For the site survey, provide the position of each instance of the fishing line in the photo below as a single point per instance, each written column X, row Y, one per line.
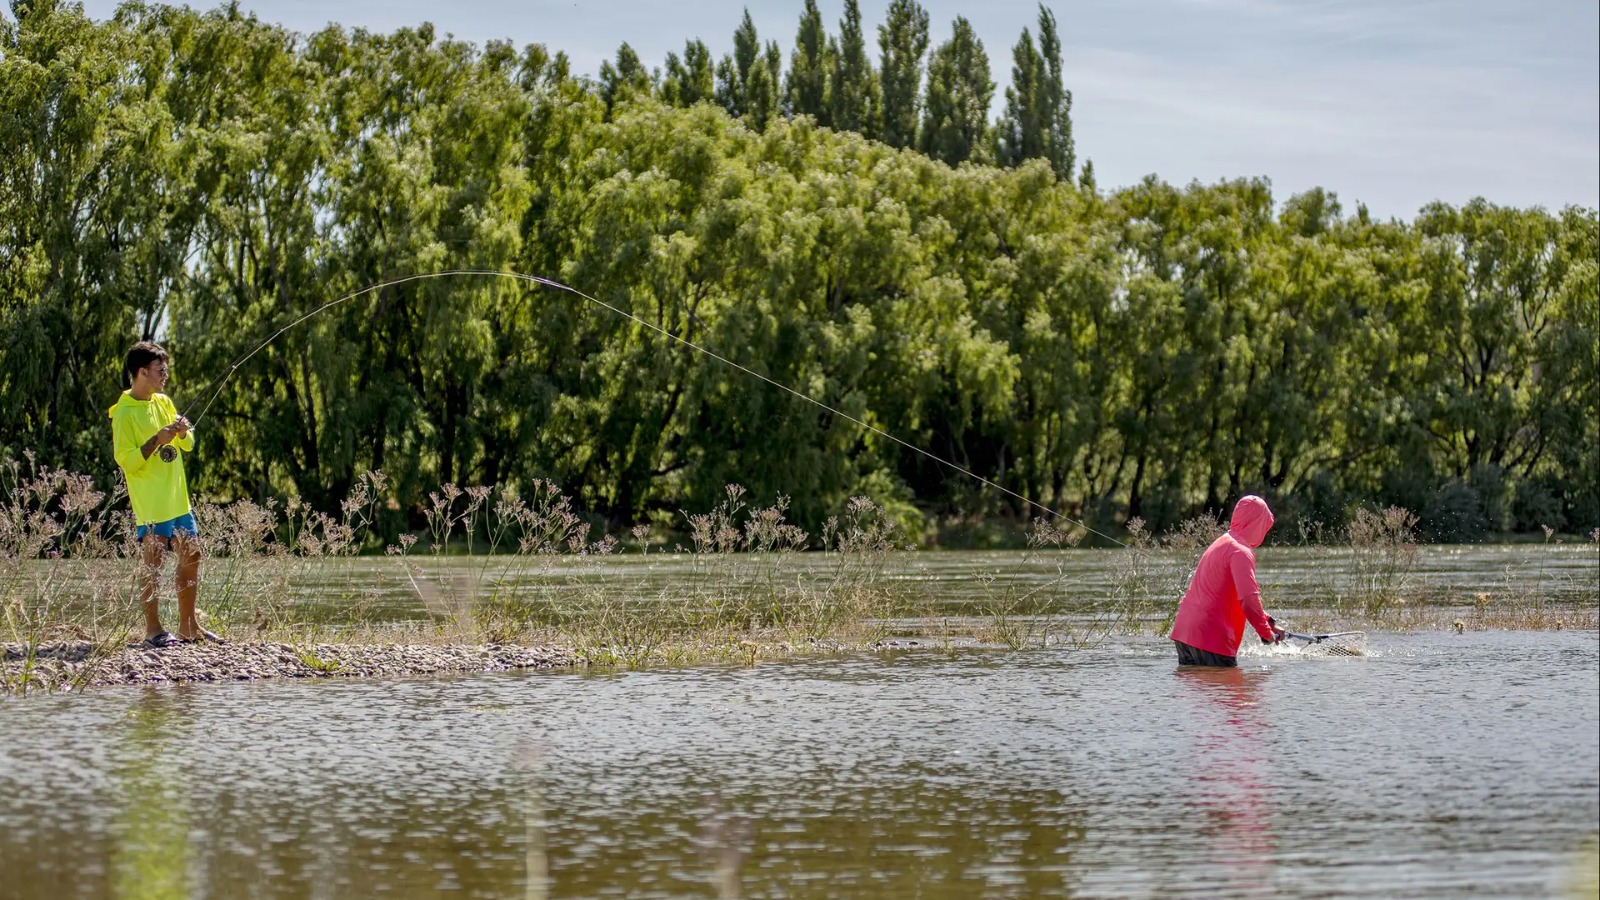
column 550, row 282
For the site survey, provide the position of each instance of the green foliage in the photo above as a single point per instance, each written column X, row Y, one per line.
column 1038, row 122
column 625, row 80
column 902, row 40
column 1019, row 133
column 96, row 211
column 1054, row 100
column 806, row 85
column 766, row 101
column 956, row 109
column 855, row 97
column 734, row 72
column 206, row 178
column 689, row 80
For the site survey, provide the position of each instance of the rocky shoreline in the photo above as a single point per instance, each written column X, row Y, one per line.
column 75, row 664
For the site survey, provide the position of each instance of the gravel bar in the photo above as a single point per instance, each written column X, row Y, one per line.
column 73, row 664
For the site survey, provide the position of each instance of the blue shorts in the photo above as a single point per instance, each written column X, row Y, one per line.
column 183, row 524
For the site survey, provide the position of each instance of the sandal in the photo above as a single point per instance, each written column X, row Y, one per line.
column 159, row 640
column 205, row 637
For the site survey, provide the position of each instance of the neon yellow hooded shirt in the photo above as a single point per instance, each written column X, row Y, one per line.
column 158, row 490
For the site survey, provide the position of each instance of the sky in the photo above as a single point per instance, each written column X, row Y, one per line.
column 1390, row 103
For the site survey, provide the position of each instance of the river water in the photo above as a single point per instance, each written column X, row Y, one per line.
column 1438, row 765
column 947, row 582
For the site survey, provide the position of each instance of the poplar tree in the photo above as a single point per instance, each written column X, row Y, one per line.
column 1021, row 135
column 1037, row 121
column 625, row 80
column 538, row 68
column 956, row 111
column 902, row 40
column 855, row 95
column 806, row 87
column 762, row 99
column 691, row 79
column 733, row 72
column 774, row 59
column 1054, row 100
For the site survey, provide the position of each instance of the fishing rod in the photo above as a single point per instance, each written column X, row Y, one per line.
column 552, row 283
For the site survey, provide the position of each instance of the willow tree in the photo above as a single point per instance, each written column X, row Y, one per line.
column 97, row 210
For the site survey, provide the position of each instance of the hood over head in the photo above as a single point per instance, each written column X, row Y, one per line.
column 1251, row 520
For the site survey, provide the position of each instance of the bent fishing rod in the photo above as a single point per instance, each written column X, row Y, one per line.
column 552, row 283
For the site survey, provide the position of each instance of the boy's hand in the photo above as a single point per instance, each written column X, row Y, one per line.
column 1277, row 632
column 167, row 433
column 182, row 425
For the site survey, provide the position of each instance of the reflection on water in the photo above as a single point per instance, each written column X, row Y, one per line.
column 1231, row 770
column 1440, row 766
column 149, row 836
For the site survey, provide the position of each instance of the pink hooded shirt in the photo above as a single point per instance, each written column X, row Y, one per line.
column 1223, row 594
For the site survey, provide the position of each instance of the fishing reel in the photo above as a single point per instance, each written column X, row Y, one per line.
column 168, row 453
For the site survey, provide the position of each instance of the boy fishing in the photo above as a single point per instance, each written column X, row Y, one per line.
column 150, row 439
column 1223, row 594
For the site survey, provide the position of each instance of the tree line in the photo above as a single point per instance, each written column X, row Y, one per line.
column 203, row 178
column 935, row 103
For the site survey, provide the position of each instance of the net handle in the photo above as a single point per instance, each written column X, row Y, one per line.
column 1319, row 638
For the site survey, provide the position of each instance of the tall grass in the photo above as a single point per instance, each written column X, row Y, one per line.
column 528, row 574
column 1153, row 573
column 519, row 564
column 1384, row 548
column 1149, row 576
column 58, row 595
column 1519, row 597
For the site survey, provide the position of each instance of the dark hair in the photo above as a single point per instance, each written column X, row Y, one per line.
column 140, row 355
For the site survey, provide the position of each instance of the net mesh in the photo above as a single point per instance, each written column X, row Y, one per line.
column 1348, row 643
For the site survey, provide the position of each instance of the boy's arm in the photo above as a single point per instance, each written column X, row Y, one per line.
column 1242, row 568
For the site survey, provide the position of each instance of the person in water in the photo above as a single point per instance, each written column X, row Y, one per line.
column 149, row 439
column 1223, row 594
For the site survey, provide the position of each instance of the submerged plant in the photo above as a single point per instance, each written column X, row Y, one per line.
column 1384, row 550
column 1152, row 573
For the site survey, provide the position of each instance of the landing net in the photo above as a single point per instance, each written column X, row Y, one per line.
column 1340, row 643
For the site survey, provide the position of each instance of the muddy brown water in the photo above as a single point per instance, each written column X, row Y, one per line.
column 1440, row 765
